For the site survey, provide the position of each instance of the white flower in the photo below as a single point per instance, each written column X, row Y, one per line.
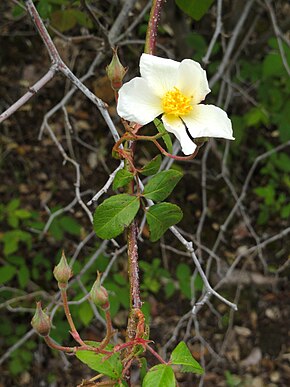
column 176, row 90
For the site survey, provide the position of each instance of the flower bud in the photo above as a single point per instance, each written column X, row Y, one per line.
column 116, row 71
column 99, row 294
column 62, row 272
column 41, row 321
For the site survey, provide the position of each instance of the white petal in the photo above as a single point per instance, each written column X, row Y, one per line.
column 174, row 125
column 192, row 80
column 160, row 73
column 208, row 121
column 137, row 102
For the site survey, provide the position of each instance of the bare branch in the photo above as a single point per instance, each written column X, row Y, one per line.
column 232, row 43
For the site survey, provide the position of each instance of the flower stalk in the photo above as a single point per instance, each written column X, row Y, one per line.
column 66, row 309
column 136, row 325
column 152, row 28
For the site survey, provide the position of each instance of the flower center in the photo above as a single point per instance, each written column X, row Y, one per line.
column 176, row 103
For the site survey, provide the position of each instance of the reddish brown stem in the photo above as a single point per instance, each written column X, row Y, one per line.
column 110, row 330
column 53, row 345
column 179, row 158
column 135, row 300
column 74, row 331
column 151, row 34
column 155, row 354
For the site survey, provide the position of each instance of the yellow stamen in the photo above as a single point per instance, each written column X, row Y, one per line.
column 176, row 103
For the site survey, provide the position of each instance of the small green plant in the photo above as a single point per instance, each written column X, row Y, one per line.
column 156, row 278
column 64, row 15
column 274, row 200
column 232, row 380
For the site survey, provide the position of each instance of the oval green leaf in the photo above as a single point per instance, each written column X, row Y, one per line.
column 181, row 356
column 111, row 367
column 159, row 376
column 161, row 185
column 122, row 178
column 160, row 217
column 152, row 167
column 114, row 214
column 7, row 273
column 196, row 9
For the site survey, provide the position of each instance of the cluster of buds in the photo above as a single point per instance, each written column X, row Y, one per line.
column 99, row 295
column 116, row 71
column 62, row 272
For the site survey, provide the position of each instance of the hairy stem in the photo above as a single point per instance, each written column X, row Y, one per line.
column 136, row 324
column 133, row 266
column 151, row 34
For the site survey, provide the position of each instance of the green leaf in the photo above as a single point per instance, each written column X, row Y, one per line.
column 85, row 313
column 56, row 230
column 285, row 212
column 122, row 178
column 159, row 376
column 283, row 162
column 169, row 289
column 239, row 126
column 82, row 18
column 70, row 225
column 12, row 238
column 114, row 214
column 199, row 45
column 12, row 220
column 160, row 217
column 13, row 205
column 152, row 167
column 23, row 276
column 196, row 9
column 181, row 356
column 44, row 8
column 166, row 138
column 17, row 11
column 6, row 273
column 22, row 214
column 255, row 117
column 143, row 368
column 272, row 65
column 183, row 274
column 63, row 20
column 283, row 122
column 120, row 279
column 161, row 185
column 111, row 367
column 60, row 2
column 268, row 193
column 198, row 283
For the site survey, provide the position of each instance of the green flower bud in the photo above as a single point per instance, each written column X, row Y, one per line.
column 41, row 321
column 116, row 71
column 99, row 294
column 62, row 272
